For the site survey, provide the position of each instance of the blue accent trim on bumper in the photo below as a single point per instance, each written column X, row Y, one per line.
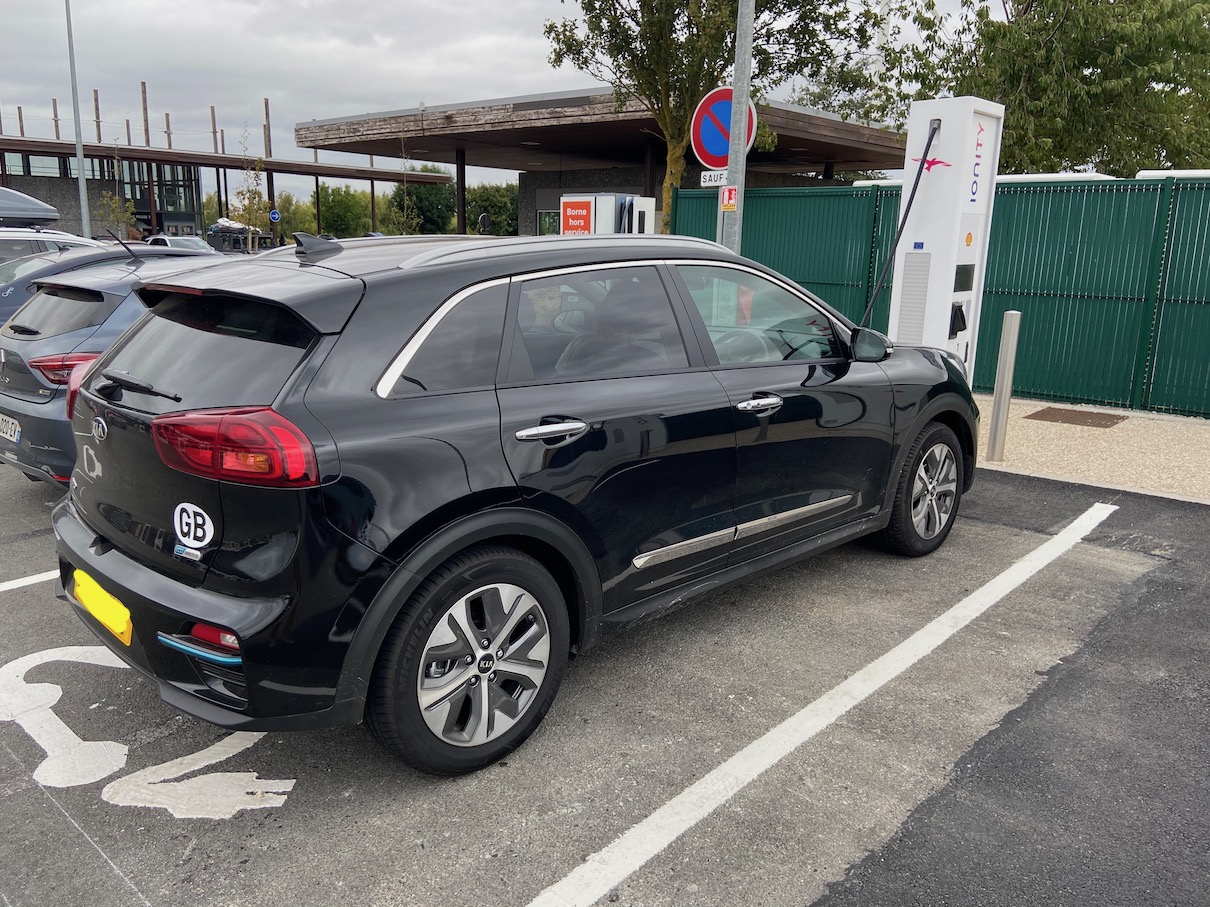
column 198, row 652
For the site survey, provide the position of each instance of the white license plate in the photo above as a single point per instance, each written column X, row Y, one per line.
column 10, row 429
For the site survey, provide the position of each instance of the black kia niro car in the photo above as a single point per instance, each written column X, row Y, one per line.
column 404, row 480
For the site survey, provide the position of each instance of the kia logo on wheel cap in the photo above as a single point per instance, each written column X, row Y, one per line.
column 99, row 429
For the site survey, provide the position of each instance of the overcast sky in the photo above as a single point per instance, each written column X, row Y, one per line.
column 313, row 59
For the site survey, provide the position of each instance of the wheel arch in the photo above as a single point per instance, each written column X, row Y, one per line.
column 958, row 415
column 532, row 532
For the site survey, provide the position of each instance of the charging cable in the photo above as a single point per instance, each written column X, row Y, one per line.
column 934, row 128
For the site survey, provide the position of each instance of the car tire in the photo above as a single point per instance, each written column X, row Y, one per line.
column 472, row 662
column 928, row 493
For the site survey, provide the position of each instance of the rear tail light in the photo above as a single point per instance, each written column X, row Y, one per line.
column 215, row 636
column 74, row 380
column 254, row 446
column 58, row 369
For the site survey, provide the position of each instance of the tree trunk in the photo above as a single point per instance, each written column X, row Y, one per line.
column 673, row 172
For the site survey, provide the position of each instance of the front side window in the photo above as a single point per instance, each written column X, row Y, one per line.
column 462, row 350
column 751, row 319
column 596, row 324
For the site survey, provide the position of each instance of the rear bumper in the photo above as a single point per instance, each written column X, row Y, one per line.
column 47, row 449
column 253, row 694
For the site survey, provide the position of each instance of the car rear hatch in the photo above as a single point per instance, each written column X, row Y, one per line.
column 179, row 455
column 40, row 343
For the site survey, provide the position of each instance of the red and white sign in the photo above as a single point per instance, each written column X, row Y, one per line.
column 575, row 216
column 710, row 132
column 728, row 198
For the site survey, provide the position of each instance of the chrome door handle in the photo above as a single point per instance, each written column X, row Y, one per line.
column 770, row 403
column 567, row 430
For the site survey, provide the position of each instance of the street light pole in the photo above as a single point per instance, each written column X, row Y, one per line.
column 737, row 149
column 85, row 221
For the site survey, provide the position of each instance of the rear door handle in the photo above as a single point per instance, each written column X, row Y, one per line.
column 568, row 431
column 762, row 406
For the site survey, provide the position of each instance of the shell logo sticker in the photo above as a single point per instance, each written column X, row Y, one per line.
column 193, row 525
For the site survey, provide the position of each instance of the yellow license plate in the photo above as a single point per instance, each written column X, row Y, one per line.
column 113, row 615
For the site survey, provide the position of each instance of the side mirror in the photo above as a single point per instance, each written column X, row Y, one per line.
column 870, row 346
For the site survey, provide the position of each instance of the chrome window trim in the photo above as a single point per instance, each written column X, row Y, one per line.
column 742, row 531
column 404, row 357
column 764, row 524
column 596, row 266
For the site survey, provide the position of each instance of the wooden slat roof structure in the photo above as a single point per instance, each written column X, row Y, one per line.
column 587, row 129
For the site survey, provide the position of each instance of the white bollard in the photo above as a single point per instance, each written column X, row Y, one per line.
column 1004, row 385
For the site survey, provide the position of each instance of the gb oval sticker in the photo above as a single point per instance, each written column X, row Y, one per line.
column 193, row 525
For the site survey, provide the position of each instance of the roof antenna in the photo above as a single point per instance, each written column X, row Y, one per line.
column 313, row 248
column 134, row 256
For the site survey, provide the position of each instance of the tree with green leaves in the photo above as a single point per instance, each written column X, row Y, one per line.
column 1119, row 87
column 498, row 201
column 431, row 205
column 669, row 53
column 343, row 210
column 248, row 204
column 115, row 213
column 210, row 208
column 297, row 215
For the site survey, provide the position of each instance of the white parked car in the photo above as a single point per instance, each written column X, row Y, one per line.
column 17, row 242
column 197, row 243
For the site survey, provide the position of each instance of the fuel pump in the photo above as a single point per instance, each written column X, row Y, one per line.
column 609, row 212
column 953, row 148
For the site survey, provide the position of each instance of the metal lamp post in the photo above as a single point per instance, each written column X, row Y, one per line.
column 85, row 221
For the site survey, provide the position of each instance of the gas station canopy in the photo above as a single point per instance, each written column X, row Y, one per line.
column 583, row 130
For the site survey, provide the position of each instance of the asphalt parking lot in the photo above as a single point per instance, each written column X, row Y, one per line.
column 858, row 729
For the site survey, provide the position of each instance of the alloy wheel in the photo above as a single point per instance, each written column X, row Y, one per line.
column 483, row 664
column 934, row 491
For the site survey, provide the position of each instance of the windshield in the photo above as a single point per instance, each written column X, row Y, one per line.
column 19, row 267
column 189, row 242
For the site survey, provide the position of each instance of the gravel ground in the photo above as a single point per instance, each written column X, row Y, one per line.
column 1147, row 452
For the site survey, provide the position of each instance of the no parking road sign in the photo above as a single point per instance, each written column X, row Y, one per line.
column 710, row 133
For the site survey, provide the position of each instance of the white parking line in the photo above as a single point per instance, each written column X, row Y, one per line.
column 594, row 878
column 28, row 580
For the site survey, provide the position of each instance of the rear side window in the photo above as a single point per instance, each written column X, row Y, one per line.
column 462, row 350
column 597, row 323
column 17, row 248
column 210, row 351
column 19, row 267
column 59, row 310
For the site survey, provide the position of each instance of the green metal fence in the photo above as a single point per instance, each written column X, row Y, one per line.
column 1111, row 278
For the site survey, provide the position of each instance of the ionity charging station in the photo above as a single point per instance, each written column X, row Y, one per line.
column 941, row 259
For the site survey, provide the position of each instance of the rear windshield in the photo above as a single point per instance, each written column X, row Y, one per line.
column 210, row 351
column 59, row 310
